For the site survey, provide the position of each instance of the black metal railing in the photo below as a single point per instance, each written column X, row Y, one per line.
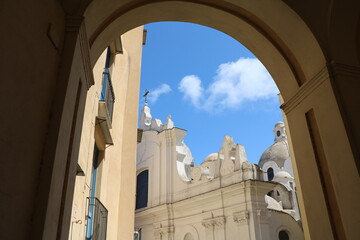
column 96, row 220
column 107, row 93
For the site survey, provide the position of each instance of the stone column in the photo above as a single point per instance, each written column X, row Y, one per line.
column 219, row 228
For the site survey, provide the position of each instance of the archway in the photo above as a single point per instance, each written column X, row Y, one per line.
column 274, row 33
column 291, row 55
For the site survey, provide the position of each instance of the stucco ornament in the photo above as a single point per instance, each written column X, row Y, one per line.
column 196, row 173
column 227, row 164
column 241, row 217
column 211, row 165
column 148, row 123
column 184, row 159
column 272, row 203
column 145, row 119
column 214, row 222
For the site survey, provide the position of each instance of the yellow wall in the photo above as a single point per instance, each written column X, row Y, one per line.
column 116, row 173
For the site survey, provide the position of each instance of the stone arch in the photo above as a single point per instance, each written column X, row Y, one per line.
column 286, row 47
column 141, row 170
column 322, row 114
column 292, row 56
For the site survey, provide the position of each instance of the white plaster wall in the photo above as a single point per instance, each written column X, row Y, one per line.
column 236, row 212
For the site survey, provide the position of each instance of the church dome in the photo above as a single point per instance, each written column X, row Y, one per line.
column 278, row 153
column 211, row 157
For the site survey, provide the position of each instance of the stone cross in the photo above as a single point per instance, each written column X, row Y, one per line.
column 146, row 94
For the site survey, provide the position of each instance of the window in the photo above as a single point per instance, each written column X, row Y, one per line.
column 270, row 174
column 283, row 235
column 97, row 213
column 278, row 133
column 107, row 92
column 142, row 189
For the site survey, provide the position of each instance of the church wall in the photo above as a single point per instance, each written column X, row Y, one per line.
column 226, row 213
column 282, row 221
column 150, row 159
column 220, row 207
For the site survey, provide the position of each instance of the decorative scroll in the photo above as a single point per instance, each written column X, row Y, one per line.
column 241, row 217
column 214, row 222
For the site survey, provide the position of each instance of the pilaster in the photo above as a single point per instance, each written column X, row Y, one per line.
column 242, row 223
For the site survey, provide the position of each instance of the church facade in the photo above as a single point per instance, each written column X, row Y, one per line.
column 225, row 197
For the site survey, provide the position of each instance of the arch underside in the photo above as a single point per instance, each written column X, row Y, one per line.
column 292, row 56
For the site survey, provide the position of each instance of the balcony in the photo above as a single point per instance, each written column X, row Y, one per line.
column 106, row 107
column 96, row 220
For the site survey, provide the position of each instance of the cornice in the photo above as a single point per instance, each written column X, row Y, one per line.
column 331, row 70
column 340, row 69
column 305, row 90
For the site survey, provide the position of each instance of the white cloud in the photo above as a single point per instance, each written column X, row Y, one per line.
column 191, row 87
column 234, row 83
column 157, row 92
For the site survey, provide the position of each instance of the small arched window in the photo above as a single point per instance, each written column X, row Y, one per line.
column 278, row 133
column 283, row 235
column 270, row 174
column 142, row 189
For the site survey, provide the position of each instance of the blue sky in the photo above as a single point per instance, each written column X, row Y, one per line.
column 211, row 85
